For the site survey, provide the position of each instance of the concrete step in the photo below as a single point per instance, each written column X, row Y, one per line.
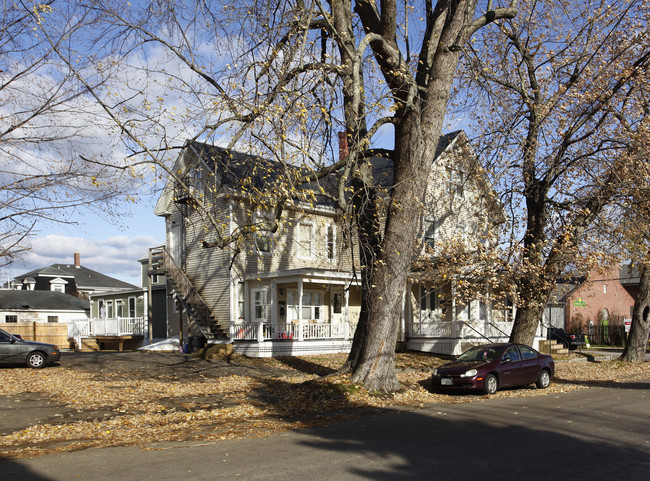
column 554, row 346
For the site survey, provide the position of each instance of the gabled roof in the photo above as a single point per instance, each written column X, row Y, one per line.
column 84, row 278
column 247, row 173
column 41, row 300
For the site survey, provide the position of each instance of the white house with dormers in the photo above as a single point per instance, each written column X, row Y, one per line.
column 294, row 291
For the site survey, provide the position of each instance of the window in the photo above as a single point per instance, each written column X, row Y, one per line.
column 305, row 240
column 604, row 288
column 119, row 308
column 52, row 318
column 331, row 242
column 428, row 303
column 337, row 303
column 527, row 352
column 512, row 354
column 11, row 318
column 259, row 303
column 102, row 309
column 262, row 234
column 57, row 287
column 109, row 309
column 456, row 182
column 429, row 233
column 241, row 301
column 131, row 306
column 311, row 305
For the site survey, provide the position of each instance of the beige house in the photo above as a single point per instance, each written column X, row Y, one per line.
column 293, row 290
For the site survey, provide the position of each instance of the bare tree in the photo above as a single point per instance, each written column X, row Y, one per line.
column 555, row 84
column 46, row 124
column 282, row 79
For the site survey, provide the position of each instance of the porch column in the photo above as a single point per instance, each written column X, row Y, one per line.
column 346, row 313
column 300, row 329
column 300, row 282
column 274, row 307
column 455, row 332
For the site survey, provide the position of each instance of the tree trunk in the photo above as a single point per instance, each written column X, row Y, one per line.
column 637, row 341
column 372, row 359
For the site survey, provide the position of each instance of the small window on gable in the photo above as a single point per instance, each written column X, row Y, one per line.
column 429, row 233
column 456, row 182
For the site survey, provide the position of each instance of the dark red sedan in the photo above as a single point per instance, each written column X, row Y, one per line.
column 494, row 366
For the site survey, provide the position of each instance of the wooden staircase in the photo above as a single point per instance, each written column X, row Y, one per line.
column 555, row 346
column 197, row 311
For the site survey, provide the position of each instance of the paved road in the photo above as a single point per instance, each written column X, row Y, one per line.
column 591, row 434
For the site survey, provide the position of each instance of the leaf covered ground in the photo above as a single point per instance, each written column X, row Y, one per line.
column 129, row 400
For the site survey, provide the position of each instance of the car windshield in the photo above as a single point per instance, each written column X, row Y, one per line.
column 479, row 354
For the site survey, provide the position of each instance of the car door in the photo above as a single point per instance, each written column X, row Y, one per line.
column 10, row 349
column 510, row 368
column 530, row 365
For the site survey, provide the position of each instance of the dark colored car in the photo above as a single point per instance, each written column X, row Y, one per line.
column 35, row 354
column 495, row 366
column 570, row 341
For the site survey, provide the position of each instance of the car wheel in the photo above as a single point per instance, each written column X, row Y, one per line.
column 544, row 379
column 36, row 360
column 490, row 384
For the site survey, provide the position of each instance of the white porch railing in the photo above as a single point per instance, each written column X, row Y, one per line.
column 117, row 326
column 260, row 331
column 461, row 330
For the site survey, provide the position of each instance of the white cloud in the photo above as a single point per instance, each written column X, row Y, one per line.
column 115, row 256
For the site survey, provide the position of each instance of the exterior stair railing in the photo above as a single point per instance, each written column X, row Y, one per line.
column 196, row 308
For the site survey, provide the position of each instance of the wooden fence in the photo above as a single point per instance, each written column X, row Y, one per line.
column 50, row 332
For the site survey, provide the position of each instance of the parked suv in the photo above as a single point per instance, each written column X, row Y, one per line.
column 570, row 341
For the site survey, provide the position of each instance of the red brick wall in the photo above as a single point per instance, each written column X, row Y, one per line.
column 602, row 291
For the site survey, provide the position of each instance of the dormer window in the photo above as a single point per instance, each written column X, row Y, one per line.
column 57, row 285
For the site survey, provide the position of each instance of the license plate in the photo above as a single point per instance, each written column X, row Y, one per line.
column 446, row 382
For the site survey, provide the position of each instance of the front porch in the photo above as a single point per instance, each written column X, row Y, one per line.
column 455, row 337
column 107, row 333
column 299, row 337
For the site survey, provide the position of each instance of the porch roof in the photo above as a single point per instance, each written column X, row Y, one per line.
column 320, row 275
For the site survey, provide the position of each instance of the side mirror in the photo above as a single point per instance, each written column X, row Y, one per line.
column 13, row 340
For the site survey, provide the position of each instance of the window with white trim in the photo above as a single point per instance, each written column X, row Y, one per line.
column 119, row 308
column 259, row 303
column 11, row 318
column 428, row 303
column 131, row 306
column 262, row 234
column 52, row 318
column 331, row 241
column 241, row 301
column 306, row 240
column 311, row 305
column 456, row 182
column 109, row 309
column 430, row 227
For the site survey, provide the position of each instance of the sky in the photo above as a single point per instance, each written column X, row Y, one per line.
column 104, row 247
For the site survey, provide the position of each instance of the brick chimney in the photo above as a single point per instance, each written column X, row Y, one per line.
column 344, row 151
column 77, row 260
